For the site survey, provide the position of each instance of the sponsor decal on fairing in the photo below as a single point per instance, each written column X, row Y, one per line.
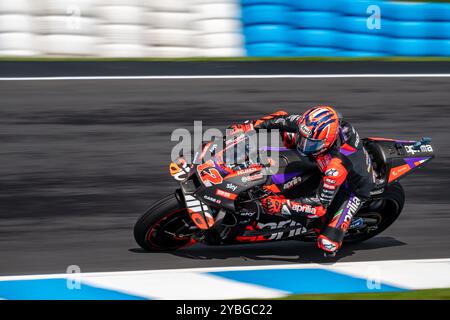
column 279, row 235
column 292, row 183
column 231, row 186
column 423, row 148
column 253, row 177
column 226, row 194
column 209, row 198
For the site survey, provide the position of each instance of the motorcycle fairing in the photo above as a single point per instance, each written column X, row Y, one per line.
column 398, row 158
column 272, row 229
column 179, row 169
column 411, row 163
column 210, row 186
column 199, row 212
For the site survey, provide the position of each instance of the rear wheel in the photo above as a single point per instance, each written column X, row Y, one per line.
column 165, row 226
column 378, row 215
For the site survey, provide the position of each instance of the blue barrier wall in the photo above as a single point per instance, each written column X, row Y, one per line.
column 347, row 28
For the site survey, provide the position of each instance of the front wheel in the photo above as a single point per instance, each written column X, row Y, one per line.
column 378, row 215
column 164, row 226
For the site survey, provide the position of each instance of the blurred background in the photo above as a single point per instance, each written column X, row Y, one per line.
column 81, row 160
column 223, row 28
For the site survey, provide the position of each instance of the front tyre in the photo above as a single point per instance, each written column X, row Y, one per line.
column 158, row 229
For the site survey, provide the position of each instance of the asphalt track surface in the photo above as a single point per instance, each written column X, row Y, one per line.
column 81, row 160
column 173, row 68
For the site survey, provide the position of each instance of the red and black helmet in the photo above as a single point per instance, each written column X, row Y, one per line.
column 318, row 130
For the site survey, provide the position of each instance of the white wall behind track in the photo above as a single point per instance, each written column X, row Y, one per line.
column 121, row 28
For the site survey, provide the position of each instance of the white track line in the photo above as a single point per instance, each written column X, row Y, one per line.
column 268, row 76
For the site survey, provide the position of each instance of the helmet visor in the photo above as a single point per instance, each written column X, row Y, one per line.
column 308, row 145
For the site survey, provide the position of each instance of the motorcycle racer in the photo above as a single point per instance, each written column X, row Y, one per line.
column 334, row 145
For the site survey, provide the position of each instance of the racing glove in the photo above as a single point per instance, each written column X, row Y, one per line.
column 267, row 122
column 242, row 127
column 278, row 205
column 273, row 204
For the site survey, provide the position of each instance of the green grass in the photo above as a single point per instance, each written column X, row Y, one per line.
column 431, row 294
column 206, row 59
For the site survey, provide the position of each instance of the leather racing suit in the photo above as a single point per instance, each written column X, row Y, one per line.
column 346, row 183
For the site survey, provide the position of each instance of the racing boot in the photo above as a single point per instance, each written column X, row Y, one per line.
column 331, row 237
column 330, row 240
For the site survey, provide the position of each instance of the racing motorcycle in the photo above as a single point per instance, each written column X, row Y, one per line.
column 219, row 204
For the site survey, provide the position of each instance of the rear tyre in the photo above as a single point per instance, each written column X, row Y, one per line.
column 381, row 213
column 155, row 230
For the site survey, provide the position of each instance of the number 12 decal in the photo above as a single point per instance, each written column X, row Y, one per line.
column 208, row 174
